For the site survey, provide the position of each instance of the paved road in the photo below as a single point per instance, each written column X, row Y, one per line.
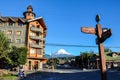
column 71, row 74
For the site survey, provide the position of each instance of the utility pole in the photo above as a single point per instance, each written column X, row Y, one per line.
column 102, row 34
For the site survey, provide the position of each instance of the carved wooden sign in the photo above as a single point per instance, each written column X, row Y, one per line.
column 88, row 30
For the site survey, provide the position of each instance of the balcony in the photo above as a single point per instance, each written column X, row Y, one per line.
column 33, row 45
column 36, row 29
column 37, row 38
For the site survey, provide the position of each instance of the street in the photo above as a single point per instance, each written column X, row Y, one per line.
column 71, row 74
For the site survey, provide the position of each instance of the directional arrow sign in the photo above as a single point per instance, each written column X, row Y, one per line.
column 88, row 30
column 106, row 35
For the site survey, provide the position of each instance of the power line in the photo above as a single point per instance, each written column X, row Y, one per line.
column 73, row 45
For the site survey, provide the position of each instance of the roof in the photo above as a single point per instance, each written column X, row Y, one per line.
column 14, row 19
column 108, row 57
column 29, row 12
column 40, row 19
column 30, row 7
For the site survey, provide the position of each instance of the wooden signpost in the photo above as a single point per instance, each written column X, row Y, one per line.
column 88, row 30
column 102, row 35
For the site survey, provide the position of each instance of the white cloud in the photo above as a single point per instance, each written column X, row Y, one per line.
column 63, row 51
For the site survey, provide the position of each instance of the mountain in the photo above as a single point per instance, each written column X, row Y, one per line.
column 47, row 56
column 61, row 53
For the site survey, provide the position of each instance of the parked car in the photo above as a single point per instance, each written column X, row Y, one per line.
column 66, row 66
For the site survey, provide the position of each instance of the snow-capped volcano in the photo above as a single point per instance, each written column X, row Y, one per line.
column 62, row 51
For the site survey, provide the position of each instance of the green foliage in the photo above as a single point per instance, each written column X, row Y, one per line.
column 84, row 58
column 87, row 55
column 107, row 50
column 18, row 56
column 11, row 56
column 55, row 63
column 4, row 45
column 4, row 50
column 78, row 60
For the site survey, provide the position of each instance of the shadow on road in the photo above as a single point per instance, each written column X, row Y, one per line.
column 71, row 75
column 64, row 75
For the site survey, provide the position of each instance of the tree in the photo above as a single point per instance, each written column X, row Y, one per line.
column 78, row 61
column 18, row 56
column 86, row 56
column 4, row 50
column 107, row 50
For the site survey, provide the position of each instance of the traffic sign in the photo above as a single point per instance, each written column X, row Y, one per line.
column 88, row 30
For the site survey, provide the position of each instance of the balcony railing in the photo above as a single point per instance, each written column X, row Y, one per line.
column 37, row 38
column 36, row 29
column 33, row 45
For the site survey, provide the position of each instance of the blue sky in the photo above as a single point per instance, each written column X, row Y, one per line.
column 64, row 18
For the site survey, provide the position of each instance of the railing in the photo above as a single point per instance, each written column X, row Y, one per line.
column 36, row 29
column 35, row 45
column 37, row 38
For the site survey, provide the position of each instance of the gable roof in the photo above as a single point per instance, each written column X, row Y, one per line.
column 40, row 19
column 14, row 19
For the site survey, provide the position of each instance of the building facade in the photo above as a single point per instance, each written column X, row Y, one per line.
column 27, row 31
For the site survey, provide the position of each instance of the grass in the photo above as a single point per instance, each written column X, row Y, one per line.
column 9, row 78
column 6, row 75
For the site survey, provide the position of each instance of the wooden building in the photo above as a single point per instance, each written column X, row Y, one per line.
column 27, row 31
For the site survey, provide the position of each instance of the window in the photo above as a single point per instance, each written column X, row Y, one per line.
column 28, row 14
column 9, row 32
column 32, row 26
column 32, row 51
column 32, row 34
column 37, row 23
column 38, row 26
column 9, row 40
column 6, row 24
column 18, row 33
column 20, row 24
column 38, row 51
column 10, row 23
column 18, row 40
column 0, row 24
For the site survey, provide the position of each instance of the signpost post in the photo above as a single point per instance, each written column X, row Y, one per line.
column 101, row 52
column 102, row 35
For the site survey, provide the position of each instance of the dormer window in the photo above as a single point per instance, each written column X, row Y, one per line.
column 10, row 23
column 20, row 24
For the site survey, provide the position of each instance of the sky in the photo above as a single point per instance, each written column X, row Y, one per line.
column 64, row 19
